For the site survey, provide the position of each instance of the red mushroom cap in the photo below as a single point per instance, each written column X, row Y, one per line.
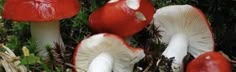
column 40, row 10
column 118, row 18
column 209, row 62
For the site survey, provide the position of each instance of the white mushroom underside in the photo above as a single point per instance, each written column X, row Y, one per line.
column 184, row 19
column 124, row 58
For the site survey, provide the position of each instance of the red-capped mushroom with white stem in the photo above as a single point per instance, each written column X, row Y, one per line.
column 122, row 17
column 44, row 16
column 105, row 53
column 210, row 62
column 185, row 29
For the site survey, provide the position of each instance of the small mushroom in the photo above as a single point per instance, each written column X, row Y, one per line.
column 105, row 53
column 44, row 16
column 122, row 17
column 185, row 29
column 209, row 62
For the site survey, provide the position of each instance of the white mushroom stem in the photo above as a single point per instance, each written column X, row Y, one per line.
column 177, row 48
column 102, row 63
column 46, row 34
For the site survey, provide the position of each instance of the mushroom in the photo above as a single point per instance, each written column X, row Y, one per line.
column 105, row 53
column 122, row 17
column 44, row 16
column 209, row 62
column 185, row 29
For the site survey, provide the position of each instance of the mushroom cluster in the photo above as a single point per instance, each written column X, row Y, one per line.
column 183, row 27
column 121, row 18
column 107, row 51
column 44, row 16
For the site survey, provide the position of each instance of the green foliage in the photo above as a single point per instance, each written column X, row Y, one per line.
column 17, row 36
column 13, row 42
column 31, row 45
column 1, row 5
column 3, row 33
column 31, row 59
column 45, row 67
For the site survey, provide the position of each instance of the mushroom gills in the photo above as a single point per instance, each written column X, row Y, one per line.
column 106, row 53
column 186, row 30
